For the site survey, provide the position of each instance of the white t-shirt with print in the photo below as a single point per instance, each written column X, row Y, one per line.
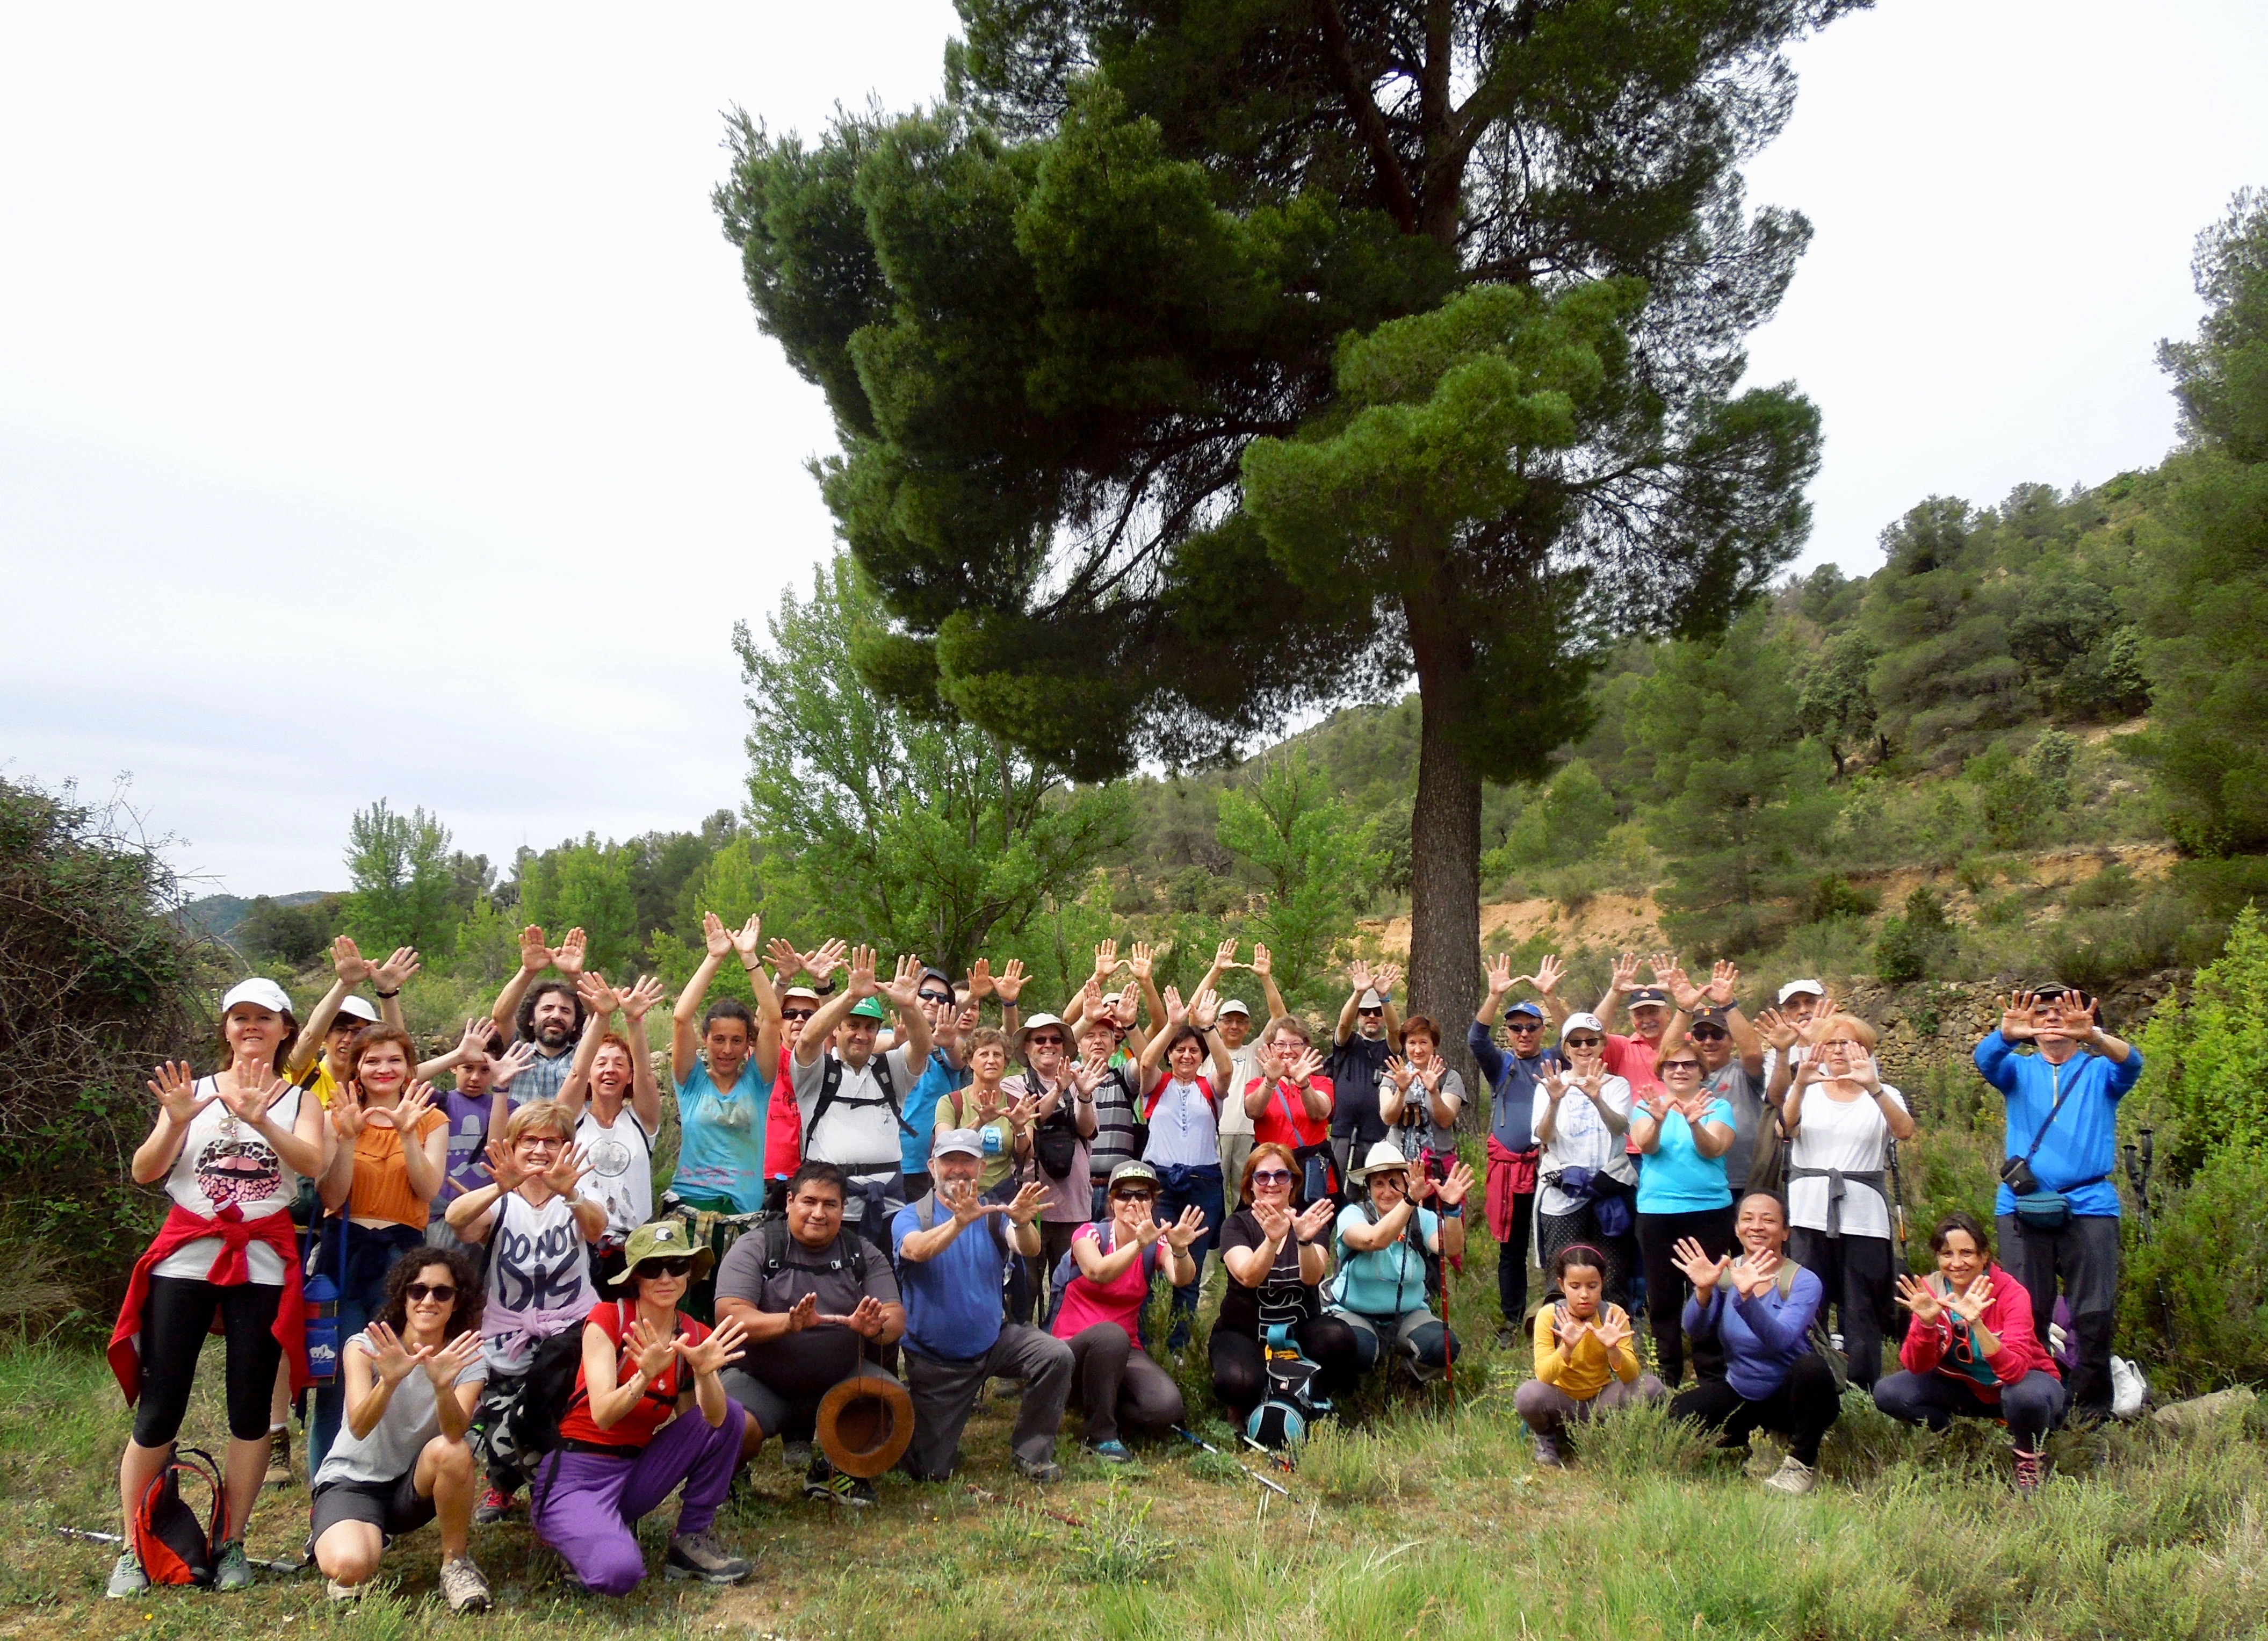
column 223, row 1160
column 621, row 1167
column 1582, row 1139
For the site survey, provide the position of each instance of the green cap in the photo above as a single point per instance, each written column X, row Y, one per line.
column 868, row 1008
column 663, row 1239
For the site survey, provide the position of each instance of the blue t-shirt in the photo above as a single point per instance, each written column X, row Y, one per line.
column 720, row 1158
column 939, row 1078
column 468, row 1144
column 1674, row 1177
column 952, row 1300
column 1387, row 1281
column 2082, row 1144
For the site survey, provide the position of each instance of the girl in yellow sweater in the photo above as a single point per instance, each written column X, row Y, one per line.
column 1585, row 1355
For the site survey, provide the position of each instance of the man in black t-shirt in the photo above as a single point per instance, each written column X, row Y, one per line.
column 1369, row 1033
column 813, row 1300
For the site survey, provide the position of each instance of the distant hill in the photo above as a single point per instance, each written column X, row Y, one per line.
column 219, row 915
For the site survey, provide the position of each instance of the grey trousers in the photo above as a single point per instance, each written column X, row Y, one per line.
column 945, row 1395
column 1115, row 1382
column 790, row 1417
column 1548, row 1409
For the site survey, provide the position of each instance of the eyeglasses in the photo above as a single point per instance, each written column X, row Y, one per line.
column 665, row 1267
column 1271, row 1175
column 797, row 1014
column 440, row 1294
column 1044, row 1042
column 1583, row 1042
column 540, row 1141
column 1708, row 1034
column 1693, row 1066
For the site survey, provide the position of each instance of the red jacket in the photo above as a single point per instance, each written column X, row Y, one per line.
column 231, row 1269
column 1935, row 1347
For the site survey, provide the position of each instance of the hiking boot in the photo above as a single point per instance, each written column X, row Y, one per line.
column 339, row 1592
column 1507, row 1337
column 699, row 1555
column 495, row 1506
column 1046, row 1471
column 1793, row 1477
column 233, row 1570
column 2031, row 1470
column 279, row 1458
column 461, row 1582
column 1112, row 1452
column 1548, row 1456
column 127, row 1577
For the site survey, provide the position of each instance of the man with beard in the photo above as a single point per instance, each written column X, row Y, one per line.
column 546, row 1015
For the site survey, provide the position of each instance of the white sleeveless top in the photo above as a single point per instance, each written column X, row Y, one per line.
column 621, row 1168
column 539, row 1268
column 223, row 1161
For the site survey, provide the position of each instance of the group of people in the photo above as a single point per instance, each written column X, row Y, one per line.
column 882, row 1198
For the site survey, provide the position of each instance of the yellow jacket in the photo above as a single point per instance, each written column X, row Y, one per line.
column 1583, row 1371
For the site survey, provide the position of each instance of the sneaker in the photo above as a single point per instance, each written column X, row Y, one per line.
column 796, row 1455
column 699, row 1555
column 1112, row 1452
column 838, row 1488
column 1507, row 1337
column 2031, row 1469
column 1793, row 1477
column 1046, row 1471
column 233, row 1570
column 127, row 1577
column 339, row 1592
column 461, row 1582
column 1178, row 1339
column 1548, row 1456
column 279, row 1458
column 495, row 1506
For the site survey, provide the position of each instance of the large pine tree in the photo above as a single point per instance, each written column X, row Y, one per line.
column 1052, row 315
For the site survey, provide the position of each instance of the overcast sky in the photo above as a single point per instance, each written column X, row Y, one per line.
column 382, row 413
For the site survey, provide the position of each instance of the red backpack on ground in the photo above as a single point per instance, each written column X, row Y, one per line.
column 173, row 1546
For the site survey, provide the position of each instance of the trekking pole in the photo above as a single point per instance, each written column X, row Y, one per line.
column 1898, row 1203
column 2138, row 1176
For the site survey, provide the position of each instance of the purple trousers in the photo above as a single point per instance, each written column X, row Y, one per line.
column 585, row 1504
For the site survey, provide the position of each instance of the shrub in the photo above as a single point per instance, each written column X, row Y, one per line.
column 2113, row 886
column 2205, row 1057
column 1921, row 943
column 1834, row 896
column 98, row 981
column 2097, row 950
column 2195, row 1301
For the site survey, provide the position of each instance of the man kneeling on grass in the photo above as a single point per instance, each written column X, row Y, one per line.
column 813, row 1298
column 953, row 1250
column 412, row 1379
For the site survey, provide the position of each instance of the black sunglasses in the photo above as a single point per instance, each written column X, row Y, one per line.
column 1523, row 1025
column 936, row 997
column 797, row 1014
column 1708, row 1034
column 1585, row 1042
column 440, row 1295
column 1370, row 1013
column 1134, row 1197
column 665, row 1267
column 1037, row 1041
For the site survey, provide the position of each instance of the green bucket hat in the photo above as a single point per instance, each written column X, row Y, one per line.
column 663, row 1239
column 869, row 1008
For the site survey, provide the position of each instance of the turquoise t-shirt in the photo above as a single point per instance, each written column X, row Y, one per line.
column 720, row 1160
column 938, row 1077
column 1674, row 1177
column 1387, row 1281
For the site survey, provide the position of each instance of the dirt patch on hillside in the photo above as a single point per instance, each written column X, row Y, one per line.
column 1631, row 922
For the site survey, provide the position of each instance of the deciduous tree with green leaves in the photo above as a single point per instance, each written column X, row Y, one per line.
column 1051, row 317
column 404, row 882
column 901, row 825
column 1319, row 862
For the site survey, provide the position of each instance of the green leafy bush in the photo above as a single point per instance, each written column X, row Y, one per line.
column 2206, row 1057
column 1919, row 944
column 1834, row 896
column 2194, row 1304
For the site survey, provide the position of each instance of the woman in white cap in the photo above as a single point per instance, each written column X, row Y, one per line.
column 1112, row 1264
column 231, row 1148
column 1586, row 1173
column 1385, row 1244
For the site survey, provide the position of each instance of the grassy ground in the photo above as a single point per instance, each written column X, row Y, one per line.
column 1407, row 1521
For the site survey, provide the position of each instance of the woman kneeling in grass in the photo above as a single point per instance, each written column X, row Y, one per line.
column 1586, row 1357
column 412, row 1378
column 1760, row 1308
column 1971, row 1350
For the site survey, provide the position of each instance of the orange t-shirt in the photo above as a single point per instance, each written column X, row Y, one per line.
column 382, row 1178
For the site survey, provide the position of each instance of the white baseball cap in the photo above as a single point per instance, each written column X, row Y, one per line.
column 1581, row 1023
column 957, row 1143
column 358, row 1009
column 1236, row 1005
column 1801, row 989
column 265, row 994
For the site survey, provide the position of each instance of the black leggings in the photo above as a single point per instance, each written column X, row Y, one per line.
column 1801, row 1409
column 1666, row 1286
column 1240, row 1371
column 1855, row 1275
column 1512, row 1262
column 175, row 1319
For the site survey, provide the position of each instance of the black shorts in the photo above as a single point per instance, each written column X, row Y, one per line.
column 394, row 1507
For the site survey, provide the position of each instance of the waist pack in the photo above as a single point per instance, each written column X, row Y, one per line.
column 174, row 1546
column 1609, row 1197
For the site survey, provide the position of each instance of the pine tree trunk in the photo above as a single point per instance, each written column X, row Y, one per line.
column 1445, row 858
